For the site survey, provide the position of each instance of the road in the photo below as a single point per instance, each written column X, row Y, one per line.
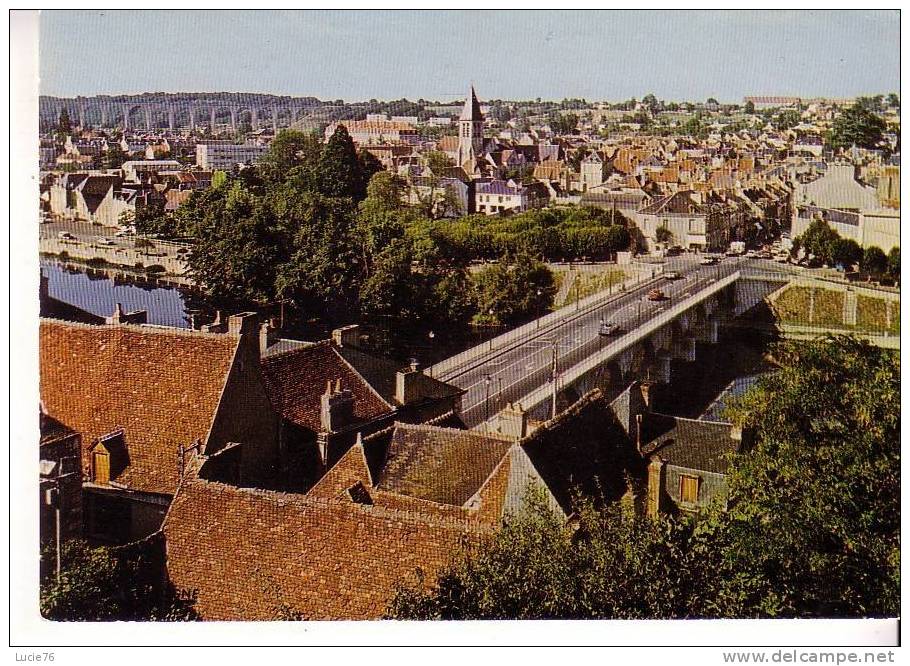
column 510, row 373
column 89, row 234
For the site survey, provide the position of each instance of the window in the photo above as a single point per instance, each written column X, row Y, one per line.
column 688, row 489
column 101, row 466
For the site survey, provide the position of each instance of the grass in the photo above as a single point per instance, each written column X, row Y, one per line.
column 792, row 307
column 587, row 283
column 829, row 308
column 871, row 313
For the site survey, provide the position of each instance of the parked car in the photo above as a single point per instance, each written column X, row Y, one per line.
column 672, row 275
column 104, row 241
column 708, row 261
column 65, row 235
column 122, row 234
column 656, row 295
column 607, row 328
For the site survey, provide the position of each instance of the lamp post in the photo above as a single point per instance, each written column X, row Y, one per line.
column 488, row 380
column 539, row 294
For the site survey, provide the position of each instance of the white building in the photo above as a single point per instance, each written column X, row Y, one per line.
column 225, row 156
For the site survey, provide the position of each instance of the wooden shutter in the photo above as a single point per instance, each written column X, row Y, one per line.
column 688, row 489
column 101, row 467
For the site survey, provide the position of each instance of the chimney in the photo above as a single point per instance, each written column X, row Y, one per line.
column 121, row 317
column 513, row 421
column 647, row 394
column 216, row 326
column 638, row 420
column 336, row 407
column 268, row 336
column 347, row 336
column 742, row 435
column 242, row 323
column 408, row 383
column 656, row 476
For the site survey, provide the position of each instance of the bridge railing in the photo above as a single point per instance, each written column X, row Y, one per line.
column 534, row 327
column 648, row 328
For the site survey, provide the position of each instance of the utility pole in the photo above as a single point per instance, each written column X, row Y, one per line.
column 488, row 380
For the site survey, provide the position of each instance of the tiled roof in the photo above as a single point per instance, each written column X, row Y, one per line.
column 52, row 430
column 380, row 373
column 499, row 187
column 296, row 379
column 440, row 464
column 701, row 445
column 680, row 203
column 162, row 386
column 249, row 553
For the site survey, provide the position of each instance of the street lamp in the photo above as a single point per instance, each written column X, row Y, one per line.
column 488, row 380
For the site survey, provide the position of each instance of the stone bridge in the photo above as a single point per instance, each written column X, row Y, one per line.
column 150, row 116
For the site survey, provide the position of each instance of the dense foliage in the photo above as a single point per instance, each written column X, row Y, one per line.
column 857, row 125
column 811, row 527
column 324, row 228
column 828, row 247
column 555, row 234
column 97, row 584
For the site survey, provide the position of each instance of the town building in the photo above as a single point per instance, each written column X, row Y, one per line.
column 142, row 399
column 224, row 156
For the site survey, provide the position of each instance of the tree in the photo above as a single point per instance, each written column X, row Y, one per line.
column 818, row 240
column 339, row 170
column 845, row 252
column 97, row 585
column 894, row 100
column 874, row 261
column 290, row 149
column 663, row 234
column 438, row 162
column 785, row 120
column 712, row 101
column 857, row 125
column 894, row 263
column 513, row 289
column 64, row 125
column 810, row 526
column 749, row 107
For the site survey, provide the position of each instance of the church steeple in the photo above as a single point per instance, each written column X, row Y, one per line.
column 470, row 130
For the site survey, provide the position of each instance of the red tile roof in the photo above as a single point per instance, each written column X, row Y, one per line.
column 162, row 386
column 249, row 553
column 296, row 379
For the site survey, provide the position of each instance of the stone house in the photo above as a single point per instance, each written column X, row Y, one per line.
column 328, row 392
column 497, row 197
column 398, row 506
column 688, row 461
column 60, row 483
column 142, row 398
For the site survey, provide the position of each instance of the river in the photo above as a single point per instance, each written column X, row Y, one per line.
column 166, row 306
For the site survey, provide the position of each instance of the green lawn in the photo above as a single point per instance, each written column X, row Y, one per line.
column 586, row 283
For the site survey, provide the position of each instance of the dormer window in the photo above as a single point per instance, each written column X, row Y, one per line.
column 108, row 457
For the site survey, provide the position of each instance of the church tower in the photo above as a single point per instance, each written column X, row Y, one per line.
column 470, row 130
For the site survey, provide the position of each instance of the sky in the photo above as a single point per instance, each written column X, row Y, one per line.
column 435, row 55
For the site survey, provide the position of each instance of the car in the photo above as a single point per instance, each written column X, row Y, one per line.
column 607, row 329
column 708, row 261
column 656, row 295
column 122, row 234
column 104, row 241
column 751, row 254
column 782, row 258
column 672, row 275
column 65, row 235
